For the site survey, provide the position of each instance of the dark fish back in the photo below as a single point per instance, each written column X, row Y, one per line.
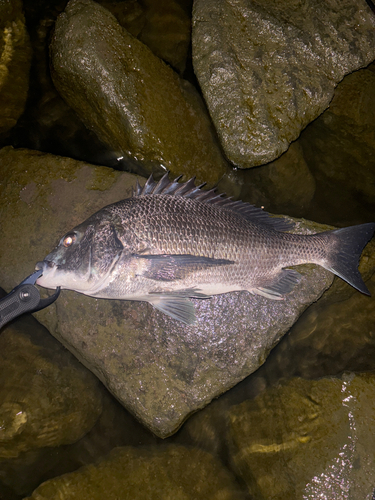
column 184, row 226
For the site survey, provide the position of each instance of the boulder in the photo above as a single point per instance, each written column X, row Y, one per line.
column 47, row 400
column 267, row 69
column 130, row 98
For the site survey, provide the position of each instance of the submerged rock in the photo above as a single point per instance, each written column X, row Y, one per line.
column 333, row 335
column 154, row 473
column 47, row 398
column 158, row 368
column 339, row 147
column 15, row 58
column 134, row 102
column 267, row 69
column 307, row 439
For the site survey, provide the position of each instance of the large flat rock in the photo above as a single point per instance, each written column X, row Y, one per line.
column 158, row 368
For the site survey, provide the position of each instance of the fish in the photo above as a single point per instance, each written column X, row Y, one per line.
column 172, row 241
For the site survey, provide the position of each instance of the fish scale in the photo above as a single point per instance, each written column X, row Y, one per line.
column 229, row 237
column 172, row 241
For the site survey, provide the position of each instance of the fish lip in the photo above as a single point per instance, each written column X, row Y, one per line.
column 39, row 266
column 44, row 265
column 48, row 269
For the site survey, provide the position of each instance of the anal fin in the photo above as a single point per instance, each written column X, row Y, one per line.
column 281, row 285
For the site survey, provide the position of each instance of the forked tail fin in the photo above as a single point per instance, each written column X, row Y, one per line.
column 350, row 242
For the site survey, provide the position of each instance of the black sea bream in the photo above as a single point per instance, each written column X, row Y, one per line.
column 172, row 241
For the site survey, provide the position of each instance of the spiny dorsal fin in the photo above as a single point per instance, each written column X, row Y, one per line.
column 190, row 190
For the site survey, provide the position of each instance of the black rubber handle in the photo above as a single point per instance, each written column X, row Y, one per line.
column 24, row 298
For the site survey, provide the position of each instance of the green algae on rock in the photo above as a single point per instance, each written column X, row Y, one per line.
column 134, row 102
column 15, row 58
column 307, row 439
column 167, row 472
column 267, row 69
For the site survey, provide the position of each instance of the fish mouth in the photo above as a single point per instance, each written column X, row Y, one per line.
column 49, row 270
column 42, row 265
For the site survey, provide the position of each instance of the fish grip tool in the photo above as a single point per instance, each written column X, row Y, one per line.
column 24, row 298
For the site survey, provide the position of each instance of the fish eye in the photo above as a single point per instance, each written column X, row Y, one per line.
column 69, row 239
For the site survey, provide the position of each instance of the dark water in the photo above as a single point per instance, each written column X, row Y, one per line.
column 327, row 340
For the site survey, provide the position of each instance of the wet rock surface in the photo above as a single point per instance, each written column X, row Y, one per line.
column 307, row 439
column 160, row 369
column 335, row 334
column 267, row 70
column 114, row 427
column 323, row 332
column 327, row 174
column 15, row 58
column 168, row 472
column 133, row 101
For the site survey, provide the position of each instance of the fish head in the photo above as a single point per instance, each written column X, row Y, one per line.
column 84, row 258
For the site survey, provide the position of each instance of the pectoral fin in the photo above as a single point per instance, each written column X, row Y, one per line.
column 166, row 267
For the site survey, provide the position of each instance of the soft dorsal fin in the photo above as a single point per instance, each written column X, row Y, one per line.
column 190, row 190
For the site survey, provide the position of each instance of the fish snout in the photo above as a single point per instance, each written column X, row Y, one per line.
column 47, row 279
column 44, row 265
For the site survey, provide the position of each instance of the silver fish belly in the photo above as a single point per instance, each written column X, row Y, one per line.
column 172, row 241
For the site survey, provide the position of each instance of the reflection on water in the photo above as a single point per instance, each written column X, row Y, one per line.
column 332, row 336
